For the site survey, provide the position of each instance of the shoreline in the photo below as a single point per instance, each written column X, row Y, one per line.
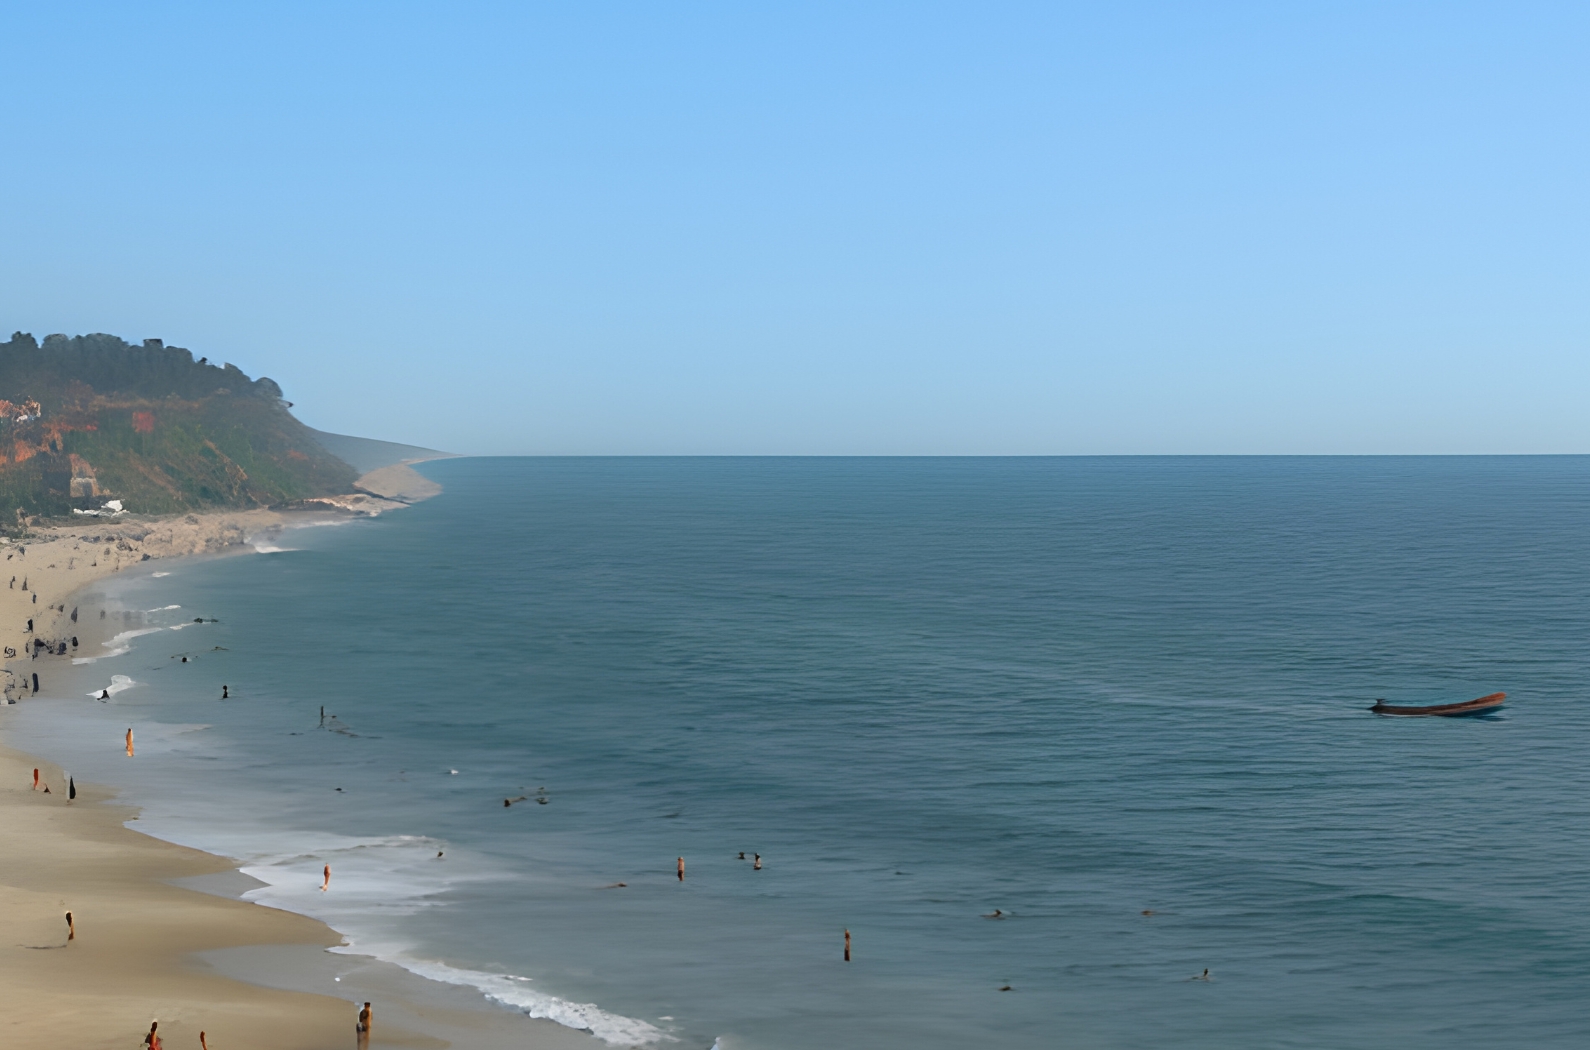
column 162, row 931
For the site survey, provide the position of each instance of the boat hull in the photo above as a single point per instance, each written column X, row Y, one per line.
column 1483, row 705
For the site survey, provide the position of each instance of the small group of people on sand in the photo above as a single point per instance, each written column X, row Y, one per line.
column 152, row 1040
column 71, row 785
column 361, row 1031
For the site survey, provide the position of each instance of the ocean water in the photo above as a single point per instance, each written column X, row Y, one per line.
column 1073, row 690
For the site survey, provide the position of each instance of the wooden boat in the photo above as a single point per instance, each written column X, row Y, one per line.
column 1467, row 707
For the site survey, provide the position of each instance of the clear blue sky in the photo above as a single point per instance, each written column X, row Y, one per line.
column 598, row 227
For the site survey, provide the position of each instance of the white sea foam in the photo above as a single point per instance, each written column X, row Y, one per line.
column 376, row 879
column 164, row 608
column 157, row 575
column 118, row 682
column 267, row 542
column 516, row 992
column 117, row 645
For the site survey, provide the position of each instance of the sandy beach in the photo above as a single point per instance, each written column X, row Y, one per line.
column 129, row 962
column 160, row 934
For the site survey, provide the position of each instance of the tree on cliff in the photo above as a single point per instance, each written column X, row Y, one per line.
column 149, row 425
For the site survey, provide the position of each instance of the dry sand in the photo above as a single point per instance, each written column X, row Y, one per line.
column 128, row 964
column 136, row 956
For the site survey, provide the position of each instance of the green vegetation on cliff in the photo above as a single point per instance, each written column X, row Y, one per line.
column 92, row 418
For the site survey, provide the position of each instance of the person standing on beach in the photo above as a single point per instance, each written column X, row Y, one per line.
column 35, row 778
column 327, row 882
column 202, row 1044
column 71, row 928
column 152, row 1040
column 363, row 1027
column 129, row 742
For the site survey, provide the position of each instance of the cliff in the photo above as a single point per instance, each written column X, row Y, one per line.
column 92, row 418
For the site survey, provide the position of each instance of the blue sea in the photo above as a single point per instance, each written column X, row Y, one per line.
column 1075, row 691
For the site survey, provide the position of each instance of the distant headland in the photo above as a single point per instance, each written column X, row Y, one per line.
column 94, row 424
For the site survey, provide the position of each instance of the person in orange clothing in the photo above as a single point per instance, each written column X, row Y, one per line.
column 152, row 1040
